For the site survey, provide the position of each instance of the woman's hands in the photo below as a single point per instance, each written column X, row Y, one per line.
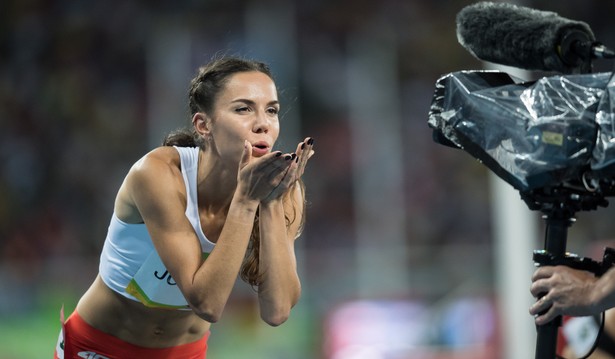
column 268, row 177
column 305, row 150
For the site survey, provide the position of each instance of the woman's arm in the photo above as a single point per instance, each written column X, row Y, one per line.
column 280, row 288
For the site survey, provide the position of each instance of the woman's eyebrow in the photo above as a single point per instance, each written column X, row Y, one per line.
column 250, row 102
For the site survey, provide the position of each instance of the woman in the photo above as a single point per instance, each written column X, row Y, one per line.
column 214, row 202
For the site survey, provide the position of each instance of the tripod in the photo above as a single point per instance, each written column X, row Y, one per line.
column 559, row 205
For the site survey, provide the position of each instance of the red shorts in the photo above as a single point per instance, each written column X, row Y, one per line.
column 80, row 340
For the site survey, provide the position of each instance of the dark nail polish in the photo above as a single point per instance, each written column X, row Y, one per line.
column 278, row 154
column 294, row 155
column 288, row 157
column 311, row 141
column 303, row 145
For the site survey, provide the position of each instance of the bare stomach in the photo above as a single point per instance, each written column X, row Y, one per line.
column 137, row 324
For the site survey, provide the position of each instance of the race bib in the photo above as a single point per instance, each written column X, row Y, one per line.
column 153, row 285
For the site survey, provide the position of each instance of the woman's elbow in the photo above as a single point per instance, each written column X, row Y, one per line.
column 208, row 316
column 277, row 314
column 207, row 312
column 276, row 318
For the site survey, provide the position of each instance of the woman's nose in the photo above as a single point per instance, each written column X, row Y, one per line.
column 261, row 123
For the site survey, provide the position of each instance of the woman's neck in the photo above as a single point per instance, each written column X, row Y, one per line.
column 216, row 182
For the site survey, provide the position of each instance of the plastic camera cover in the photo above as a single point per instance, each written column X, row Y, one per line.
column 531, row 134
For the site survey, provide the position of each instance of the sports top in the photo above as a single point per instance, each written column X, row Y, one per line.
column 129, row 263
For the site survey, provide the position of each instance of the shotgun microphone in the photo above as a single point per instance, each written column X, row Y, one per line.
column 521, row 37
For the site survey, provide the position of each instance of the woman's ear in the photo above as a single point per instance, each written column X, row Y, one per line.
column 201, row 123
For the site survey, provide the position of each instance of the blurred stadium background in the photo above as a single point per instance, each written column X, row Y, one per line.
column 398, row 259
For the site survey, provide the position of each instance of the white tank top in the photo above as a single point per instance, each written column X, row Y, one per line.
column 129, row 263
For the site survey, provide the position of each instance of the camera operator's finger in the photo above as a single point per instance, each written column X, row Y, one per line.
column 539, row 288
column 540, row 306
column 542, row 272
column 542, row 319
column 543, row 310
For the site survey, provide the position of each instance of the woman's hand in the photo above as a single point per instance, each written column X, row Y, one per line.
column 562, row 291
column 257, row 178
column 305, row 150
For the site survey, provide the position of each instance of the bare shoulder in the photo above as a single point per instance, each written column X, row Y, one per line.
column 157, row 159
column 160, row 164
column 158, row 170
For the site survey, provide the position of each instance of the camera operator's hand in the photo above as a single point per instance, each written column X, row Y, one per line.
column 563, row 291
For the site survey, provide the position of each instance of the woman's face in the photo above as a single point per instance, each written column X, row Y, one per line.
column 247, row 109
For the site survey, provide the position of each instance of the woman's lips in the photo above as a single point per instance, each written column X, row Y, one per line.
column 260, row 149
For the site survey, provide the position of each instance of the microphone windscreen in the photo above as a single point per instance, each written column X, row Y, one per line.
column 516, row 36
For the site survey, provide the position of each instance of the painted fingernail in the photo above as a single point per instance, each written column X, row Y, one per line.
column 294, row 155
column 288, row 157
column 311, row 141
column 303, row 145
column 278, row 154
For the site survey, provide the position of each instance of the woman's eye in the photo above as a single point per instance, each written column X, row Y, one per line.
column 273, row 110
column 242, row 109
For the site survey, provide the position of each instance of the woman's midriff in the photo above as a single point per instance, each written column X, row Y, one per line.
column 137, row 324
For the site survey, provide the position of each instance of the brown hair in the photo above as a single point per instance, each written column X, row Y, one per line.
column 203, row 93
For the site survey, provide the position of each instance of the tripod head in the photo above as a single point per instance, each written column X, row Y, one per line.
column 563, row 201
